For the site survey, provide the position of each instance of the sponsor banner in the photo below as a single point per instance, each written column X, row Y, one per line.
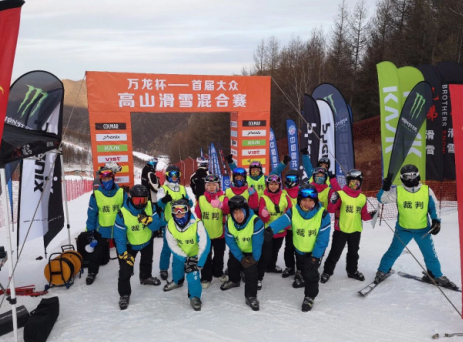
column 111, row 137
column 122, row 179
column 327, row 136
column 234, row 143
column 233, row 124
column 234, row 152
column 249, row 161
column 254, row 123
column 293, row 144
column 273, row 150
column 118, row 159
column 221, row 157
column 253, row 133
column 234, row 134
column 111, row 148
column 258, row 152
column 258, row 142
column 311, row 130
column 110, row 126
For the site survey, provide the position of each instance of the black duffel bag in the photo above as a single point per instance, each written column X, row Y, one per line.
column 83, row 240
column 42, row 320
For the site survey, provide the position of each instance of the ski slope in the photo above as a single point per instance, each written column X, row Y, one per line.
column 398, row 310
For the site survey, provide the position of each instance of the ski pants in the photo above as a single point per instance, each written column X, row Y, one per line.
column 309, row 273
column 250, row 275
column 290, row 251
column 214, row 261
column 164, row 259
column 265, row 258
column 193, row 278
column 276, row 246
column 95, row 257
column 337, row 245
column 126, row 271
column 426, row 246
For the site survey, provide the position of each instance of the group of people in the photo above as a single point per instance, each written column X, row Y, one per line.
column 253, row 218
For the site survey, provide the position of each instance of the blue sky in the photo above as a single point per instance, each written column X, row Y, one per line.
column 68, row 37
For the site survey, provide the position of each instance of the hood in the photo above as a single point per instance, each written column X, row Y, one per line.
column 250, row 215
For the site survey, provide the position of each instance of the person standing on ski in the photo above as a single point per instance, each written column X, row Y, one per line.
column 211, row 208
column 104, row 204
column 190, row 246
column 350, row 207
column 133, row 231
column 244, row 236
column 311, row 234
column 197, row 179
column 415, row 201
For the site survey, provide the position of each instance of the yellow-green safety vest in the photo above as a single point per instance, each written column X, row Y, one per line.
column 175, row 196
column 413, row 207
column 305, row 231
column 323, row 197
column 108, row 207
column 283, row 205
column 293, row 202
column 327, row 182
column 350, row 213
column 211, row 217
column 229, row 194
column 137, row 233
column 188, row 239
column 242, row 237
column 258, row 185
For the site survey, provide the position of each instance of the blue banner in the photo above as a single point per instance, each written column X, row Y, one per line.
column 202, row 154
column 273, row 150
column 209, row 158
column 215, row 162
column 293, row 146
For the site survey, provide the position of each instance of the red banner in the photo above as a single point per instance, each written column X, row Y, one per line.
column 10, row 12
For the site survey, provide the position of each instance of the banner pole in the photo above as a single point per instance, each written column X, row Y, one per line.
column 65, row 199
column 9, row 249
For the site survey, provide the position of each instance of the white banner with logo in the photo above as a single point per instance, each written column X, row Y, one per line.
column 327, row 147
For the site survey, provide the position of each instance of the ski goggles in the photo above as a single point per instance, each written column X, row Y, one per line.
column 106, row 174
column 239, row 171
column 211, row 179
column 319, row 170
column 324, row 160
column 410, row 175
column 274, row 179
column 255, row 164
column 139, row 200
column 355, row 174
column 308, row 193
column 179, row 209
column 292, row 178
column 173, row 174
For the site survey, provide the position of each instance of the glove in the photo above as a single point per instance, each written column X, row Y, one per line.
column 435, row 227
column 251, row 190
column 304, row 151
column 372, row 213
column 248, row 261
column 144, row 219
column 387, row 182
column 191, row 264
column 268, row 234
column 334, row 197
column 217, row 204
column 313, row 263
column 286, row 160
column 331, row 175
column 229, row 158
column 265, row 212
column 128, row 258
column 166, row 199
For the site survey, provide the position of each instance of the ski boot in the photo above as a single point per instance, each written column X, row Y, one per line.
column 171, row 286
column 253, row 303
column 90, row 278
column 124, row 302
column 380, row 276
column 259, row 285
column 288, row 272
column 223, row 278
column 205, row 284
column 357, row 275
column 229, row 285
column 195, row 303
column 276, row 269
column 441, row 281
column 307, row 304
column 164, row 275
column 298, row 280
column 150, row 281
column 324, row 278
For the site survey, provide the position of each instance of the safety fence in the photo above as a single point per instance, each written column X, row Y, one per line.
column 76, row 186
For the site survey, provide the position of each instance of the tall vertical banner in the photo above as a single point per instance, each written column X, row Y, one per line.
column 327, row 133
column 209, row 156
column 434, row 167
column 409, row 77
column 344, row 141
column 273, row 150
column 10, row 13
column 457, row 105
column 223, row 166
column 311, row 130
column 293, row 144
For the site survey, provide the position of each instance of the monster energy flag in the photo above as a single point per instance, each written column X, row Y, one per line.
column 327, row 134
column 411, row 119
column 35, row 108
column 311, row 129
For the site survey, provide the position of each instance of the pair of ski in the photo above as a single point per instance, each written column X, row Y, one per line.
column 365, row 291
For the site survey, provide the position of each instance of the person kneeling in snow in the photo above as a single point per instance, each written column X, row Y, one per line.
column 190, row 246
column 133, row 231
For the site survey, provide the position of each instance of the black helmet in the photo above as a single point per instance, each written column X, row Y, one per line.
column 410, row 175
column 293, row 179
column 324, row 160
column 354, row 174
column 173, row 171
column 320, row 170
column 139, row 196
column 238, row 202
column 172, row 168
column 307, row 191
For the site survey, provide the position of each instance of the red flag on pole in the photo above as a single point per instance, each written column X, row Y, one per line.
column 10, row 12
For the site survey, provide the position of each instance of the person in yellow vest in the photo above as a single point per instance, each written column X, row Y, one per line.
column 325, row 189
column 133, row 232
column 239, row 186
column 170, row 191
column 311, row 234
column 244, row 235
column 190, row 246
column 414, row 202
column 323, row 162
column 104, row 204
column 211, row 209
column 273, row 204
column 350, row 207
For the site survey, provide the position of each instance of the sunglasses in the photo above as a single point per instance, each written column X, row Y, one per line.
column 410, row 175
column 308, row 193
column 179, row 209
column 106, row 173
column 139, row 200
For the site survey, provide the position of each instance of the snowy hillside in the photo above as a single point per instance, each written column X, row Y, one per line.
column 398, row 310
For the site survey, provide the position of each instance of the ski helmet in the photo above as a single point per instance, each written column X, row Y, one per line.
column 105, row 172
column 410, row 175
column 238, row 202
column 139, row 196
column 152, row 162
column 255, row 165
column 273, row 179
column 307, row 191
column 239, row 171
column 113, row 166
column 173, row 171
column 202, row 162
column 213, row 179
column 354, row 174
column 324, row 160
column 317, row 179
column 181, row 206
column 292, row 179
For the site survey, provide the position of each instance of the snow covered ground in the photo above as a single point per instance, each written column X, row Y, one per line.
column 398, row 310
